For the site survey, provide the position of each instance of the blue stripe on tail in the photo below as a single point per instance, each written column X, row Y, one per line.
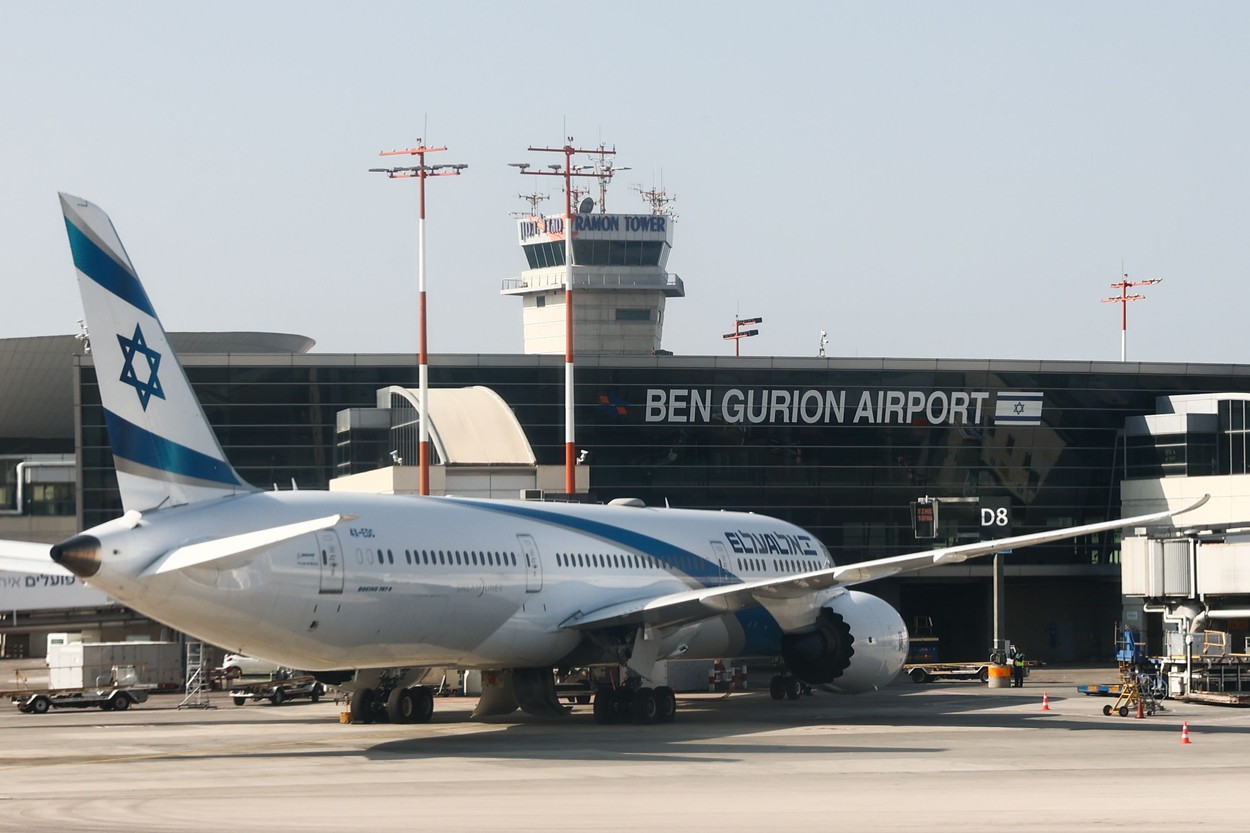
column 138, row 445
column 96, row 264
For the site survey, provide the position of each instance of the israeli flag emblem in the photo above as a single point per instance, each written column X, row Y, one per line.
column 1014, row 408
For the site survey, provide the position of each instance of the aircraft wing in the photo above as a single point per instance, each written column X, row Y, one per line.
column 693, row 605
column 25, row 557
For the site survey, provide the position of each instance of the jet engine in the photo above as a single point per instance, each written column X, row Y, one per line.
column 858, row 643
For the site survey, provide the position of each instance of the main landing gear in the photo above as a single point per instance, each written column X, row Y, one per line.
column 396, row 705
column 787, row 687
column 630, row 705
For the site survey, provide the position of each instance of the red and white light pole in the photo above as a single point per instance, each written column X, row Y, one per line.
column 568, row 172
column 1123, row 299
column 420, row 171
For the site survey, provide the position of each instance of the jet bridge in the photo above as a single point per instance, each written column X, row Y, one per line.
column 1199, row 583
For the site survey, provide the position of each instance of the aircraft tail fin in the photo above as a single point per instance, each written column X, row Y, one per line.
column 164, row 449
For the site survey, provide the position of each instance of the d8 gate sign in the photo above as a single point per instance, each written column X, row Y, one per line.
column 995, row 516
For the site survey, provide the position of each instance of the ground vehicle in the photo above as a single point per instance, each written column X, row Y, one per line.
column 118, row 693
column 279, row 690
column 240, row 665
column 929, row 671
column 81, row 665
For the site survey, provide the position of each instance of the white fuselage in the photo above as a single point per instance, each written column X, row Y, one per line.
column 429, row 581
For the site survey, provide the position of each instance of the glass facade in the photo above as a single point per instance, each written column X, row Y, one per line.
column 595, row 253
column 1231, row 456
column 841, row 447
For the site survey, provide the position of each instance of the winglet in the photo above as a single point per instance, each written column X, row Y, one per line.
column 1201, row 501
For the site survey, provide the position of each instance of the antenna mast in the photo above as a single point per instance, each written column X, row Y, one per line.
column 421, row 171
column 533, row 199
column 658, row 199
column 1123, row 285
column 738, row 334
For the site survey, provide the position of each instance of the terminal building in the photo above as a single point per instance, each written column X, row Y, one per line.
column 841, row 446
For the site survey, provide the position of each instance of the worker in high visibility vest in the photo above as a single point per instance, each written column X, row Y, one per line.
column 1017, row 668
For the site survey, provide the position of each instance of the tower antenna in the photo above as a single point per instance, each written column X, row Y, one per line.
column 1122, row 299
column 658, row 198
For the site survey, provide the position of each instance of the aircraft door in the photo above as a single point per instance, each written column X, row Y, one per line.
column 533, row 565
column 722, row 561
column 330, row 557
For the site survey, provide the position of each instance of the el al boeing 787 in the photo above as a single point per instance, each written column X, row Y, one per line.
column 518, row 588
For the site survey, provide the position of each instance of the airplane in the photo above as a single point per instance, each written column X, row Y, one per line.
column 367, row 592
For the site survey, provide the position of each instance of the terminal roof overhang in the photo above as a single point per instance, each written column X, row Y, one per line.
column 36, row 374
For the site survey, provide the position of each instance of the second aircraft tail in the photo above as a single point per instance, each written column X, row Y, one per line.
column 164, row 449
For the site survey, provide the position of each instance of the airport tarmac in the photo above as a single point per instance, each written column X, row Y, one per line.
column 943, row 756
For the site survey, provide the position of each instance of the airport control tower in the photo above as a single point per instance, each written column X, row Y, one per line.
column 619, row 280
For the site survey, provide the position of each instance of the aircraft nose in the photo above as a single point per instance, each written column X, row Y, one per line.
column 80, row 555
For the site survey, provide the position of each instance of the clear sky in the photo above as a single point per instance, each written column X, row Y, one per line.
column 919, row 179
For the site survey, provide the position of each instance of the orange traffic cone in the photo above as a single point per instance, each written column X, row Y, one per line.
column 1185, row 732
column 1045, row 702
column 1141, row 709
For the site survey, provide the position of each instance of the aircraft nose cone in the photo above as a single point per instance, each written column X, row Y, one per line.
column 80, row 555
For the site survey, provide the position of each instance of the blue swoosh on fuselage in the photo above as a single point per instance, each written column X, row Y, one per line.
column 671, row 556
column 761, row 633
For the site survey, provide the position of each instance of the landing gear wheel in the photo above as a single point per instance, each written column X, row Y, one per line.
column 423, row 704
column 666, row 704
column 777, row 687
column 362, row 706
column 623, row 705
column 400, row 706
column 794, row 688
column 643, row 708
column 605, row 706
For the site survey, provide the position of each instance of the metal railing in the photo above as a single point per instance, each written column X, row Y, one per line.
column 671, row 284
